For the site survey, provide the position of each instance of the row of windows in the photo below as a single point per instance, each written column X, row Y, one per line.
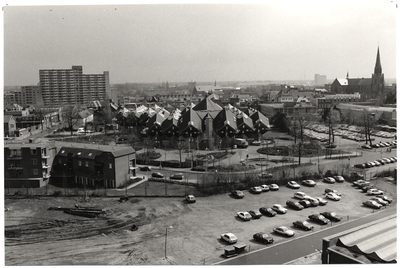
column 80, row 163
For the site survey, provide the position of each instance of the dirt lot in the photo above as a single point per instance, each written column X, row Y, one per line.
column 37, row 236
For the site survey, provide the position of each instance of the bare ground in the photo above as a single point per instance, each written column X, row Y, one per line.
column 37, row 236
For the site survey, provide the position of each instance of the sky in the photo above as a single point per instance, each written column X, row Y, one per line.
column 181, row 42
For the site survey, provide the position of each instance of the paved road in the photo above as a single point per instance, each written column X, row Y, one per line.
column 294, row 249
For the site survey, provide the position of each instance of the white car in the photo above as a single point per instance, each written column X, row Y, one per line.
column 374, row 192
column 244, row 215
column 274, row 187
column 283, row 230
column 322, row 202
column 256, row 189
column 293, row 185
column 300, row 195
column 332, row 196
column 229, row 237
column 310, row 183
column 380, row 201
column 264, row 188
column 279, row 209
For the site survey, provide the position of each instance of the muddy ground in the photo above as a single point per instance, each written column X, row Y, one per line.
column 35, row 235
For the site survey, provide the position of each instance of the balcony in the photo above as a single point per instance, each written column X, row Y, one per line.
column 15, row 168
column 15, row 156
column 46, row 176
column 45, row 166
column 45, row 156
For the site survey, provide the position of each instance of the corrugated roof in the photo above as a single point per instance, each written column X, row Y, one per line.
column 378, row 241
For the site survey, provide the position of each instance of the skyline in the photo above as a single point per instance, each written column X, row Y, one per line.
column 201, row 42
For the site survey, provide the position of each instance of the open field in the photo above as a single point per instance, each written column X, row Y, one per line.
column 37, row 236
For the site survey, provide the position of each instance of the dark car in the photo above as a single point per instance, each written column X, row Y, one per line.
column 303, row 225
column 267, row 211
column 294, row 205
column 366, row 188
column 157, row 175
column 331, row 145
column 305, row 203
column 387, row 199
column 145, row 168
column 319, row 219
column 178, row 176
column 309, row 183
column 237, row 194
column 255, row 214
column 263, row 238
column 332, row 216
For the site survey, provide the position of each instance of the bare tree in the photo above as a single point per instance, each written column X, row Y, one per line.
column 69, row 115
column 369, row 122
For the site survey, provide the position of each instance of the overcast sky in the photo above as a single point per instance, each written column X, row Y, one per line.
column 279, row 40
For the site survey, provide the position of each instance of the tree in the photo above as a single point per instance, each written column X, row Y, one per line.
column 369, row 122
column 280, row 121
column 69, row 115
column 40, row 114
column 103, row 116
column 327, row 117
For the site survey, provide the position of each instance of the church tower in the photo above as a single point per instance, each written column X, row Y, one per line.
column 378, row 78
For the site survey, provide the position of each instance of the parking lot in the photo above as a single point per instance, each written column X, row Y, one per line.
column 187, row 234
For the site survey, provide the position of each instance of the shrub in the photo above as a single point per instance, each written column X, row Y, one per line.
column 57, row 193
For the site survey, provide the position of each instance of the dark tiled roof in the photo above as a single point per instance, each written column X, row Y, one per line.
column 86, row 149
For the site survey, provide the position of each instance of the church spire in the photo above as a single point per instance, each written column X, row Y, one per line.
column 378, row 67
column 347, row 76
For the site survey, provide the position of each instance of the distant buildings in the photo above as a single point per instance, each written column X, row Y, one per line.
column 60, row 87
column 319, row 79
column 369, row 88
column 28, row 95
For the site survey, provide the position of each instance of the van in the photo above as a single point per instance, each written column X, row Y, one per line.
column 241, row 143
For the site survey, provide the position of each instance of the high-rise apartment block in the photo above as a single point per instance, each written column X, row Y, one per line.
column 61, row 87
column 319, row 79
column 28, row 95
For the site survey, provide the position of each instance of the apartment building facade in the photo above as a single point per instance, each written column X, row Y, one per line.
column 60, row 87
column 28, row 164
column 92, row 166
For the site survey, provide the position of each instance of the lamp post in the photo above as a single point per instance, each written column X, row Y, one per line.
column 206, row 161
column 166, row 237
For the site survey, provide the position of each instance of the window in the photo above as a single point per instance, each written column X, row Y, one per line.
column 79, row 153
column 86, row 163
column 59, row 161
column 80, row 163
column 33, row 152
column 34, row 161
column 35, row 171
column 109, row 165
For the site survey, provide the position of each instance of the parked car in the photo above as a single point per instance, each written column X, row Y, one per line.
column 256, row 143
column 190, row 198
column 263, row 238
column 256, row 190
column 305, row 203
column 178, row 176
column 237, row 194
column 329, row 180
column 357, row 182
column 293, row 185
column 374, row 192
column 294, row 205
column 366, row 146
column 363, row 184
column 305, row 225
column 332, row 196
column 322, row 202
column 318, row 218
column 264, row 188
column 145, row 168
column 338, row 178
column 309, row 183
column 372, row 204
column 255, row 214
column 273, row 187
column 244, row 215
column 283, row 230
column 229, row 237
column 279, row 209
column 380, row 201
column 367, row 187
column 328, row 190
column 331, row 145
column 332, row 216
column 157, row 175
column 267, row 211
column 314, row 202
column 300, row 195
column 386, row 198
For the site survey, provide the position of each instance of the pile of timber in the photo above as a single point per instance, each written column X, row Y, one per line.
column 81, row 211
